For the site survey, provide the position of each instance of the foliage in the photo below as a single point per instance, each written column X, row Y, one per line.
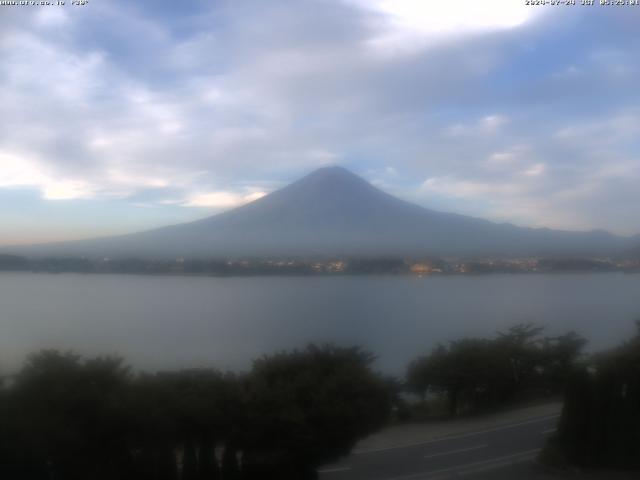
column 477, row 373
column 311, row 406
column 600, row 422
column 65, row 417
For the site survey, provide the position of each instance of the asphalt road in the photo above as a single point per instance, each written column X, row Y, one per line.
column 500, row 452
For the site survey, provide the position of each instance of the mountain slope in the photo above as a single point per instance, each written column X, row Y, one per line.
column 334, row 212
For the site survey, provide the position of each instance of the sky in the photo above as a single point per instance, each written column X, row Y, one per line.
column 120, row 116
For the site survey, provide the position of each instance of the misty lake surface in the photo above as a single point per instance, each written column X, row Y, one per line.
column 158, row 322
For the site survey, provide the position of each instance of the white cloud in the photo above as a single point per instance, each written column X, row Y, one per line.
column 535, row 170
column 501, row 159
column 453, row 17
column 51, row 17
column 221, row 199
column 487, row 125
column 469, row 189
column 19, row 171
column 416, row 24
column 491, row 123
column 66, row 190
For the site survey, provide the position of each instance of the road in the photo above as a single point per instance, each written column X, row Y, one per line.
column 502, row 451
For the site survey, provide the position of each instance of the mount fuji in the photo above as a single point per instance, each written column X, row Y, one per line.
column 332, row 212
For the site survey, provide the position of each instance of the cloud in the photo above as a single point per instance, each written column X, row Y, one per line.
column 487, row 125
column 18, row 171
column 51, row 17
column 221, row 199
column 470, row 189
column 410, row 25
column 202, row 105
column 535, row 170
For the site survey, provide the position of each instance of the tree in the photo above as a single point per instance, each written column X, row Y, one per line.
column 68, row 416
column 600, row 421
column 309, row 407
column 71, row 418
column 188, row 411
column 472, row 373
column 477, row 373
column 560, row 357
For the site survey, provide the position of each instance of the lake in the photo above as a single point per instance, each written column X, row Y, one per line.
column 168, row 321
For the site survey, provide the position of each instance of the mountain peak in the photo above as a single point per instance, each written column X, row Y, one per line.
column 334, row 179
column 332, row 170
column 332, row 174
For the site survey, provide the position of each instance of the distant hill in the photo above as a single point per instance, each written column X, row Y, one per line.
column 334, row 212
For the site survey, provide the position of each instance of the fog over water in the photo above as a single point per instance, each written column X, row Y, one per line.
column 160, row 322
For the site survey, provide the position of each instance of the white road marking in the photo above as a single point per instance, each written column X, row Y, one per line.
column 335, row 470
column 474, row 467
column 548, row 431
column 456, row 437
column 460, row 450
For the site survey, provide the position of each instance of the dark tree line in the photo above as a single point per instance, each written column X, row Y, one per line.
column 63, row 417
column 202, row 266
column 600, row 422
column 473, row 374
